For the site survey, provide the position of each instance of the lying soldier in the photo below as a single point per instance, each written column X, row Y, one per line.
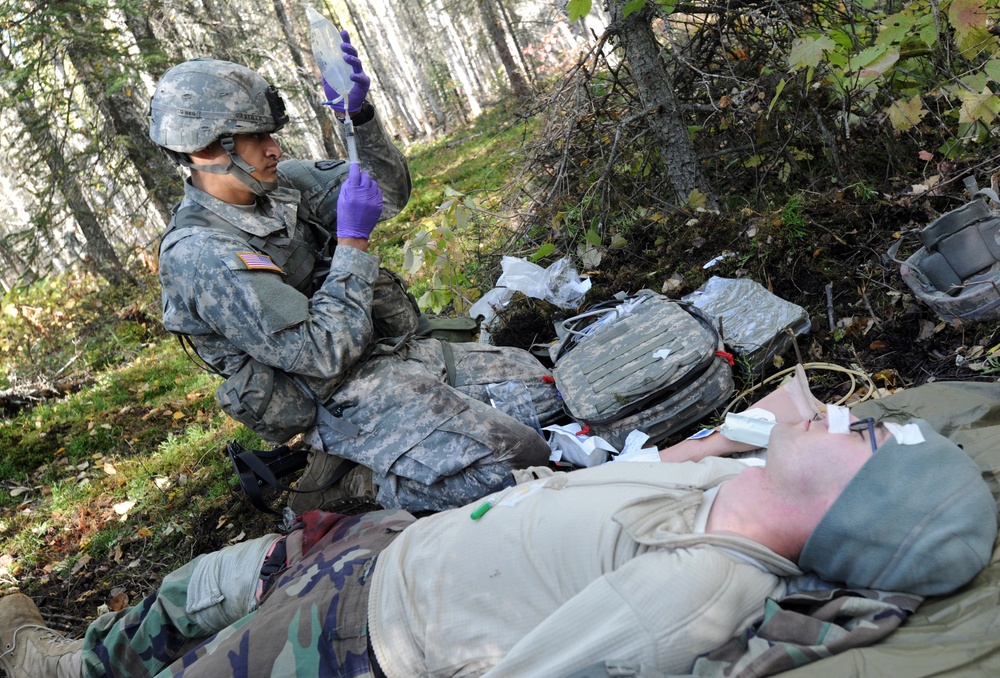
column 649, row 563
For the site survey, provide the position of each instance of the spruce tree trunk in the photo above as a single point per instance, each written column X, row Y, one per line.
column 65, row 179
column 124, row 111
column 495, row 30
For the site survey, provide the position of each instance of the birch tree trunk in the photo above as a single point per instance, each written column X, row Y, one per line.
column 656, row 92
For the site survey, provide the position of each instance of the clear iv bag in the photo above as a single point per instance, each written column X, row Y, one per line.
column 326, row 48
column 337, row 72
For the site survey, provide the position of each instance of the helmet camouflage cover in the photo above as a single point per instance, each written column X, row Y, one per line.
column 202, row 100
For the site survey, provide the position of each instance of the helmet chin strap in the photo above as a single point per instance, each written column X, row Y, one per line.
column 242, row 170
column 237, row 166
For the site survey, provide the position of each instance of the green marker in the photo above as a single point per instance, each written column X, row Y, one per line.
column 483, row 508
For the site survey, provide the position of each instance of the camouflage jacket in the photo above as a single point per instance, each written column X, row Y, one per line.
column 296, row 310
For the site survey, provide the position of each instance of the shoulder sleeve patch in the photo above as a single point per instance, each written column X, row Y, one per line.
column 258, row 262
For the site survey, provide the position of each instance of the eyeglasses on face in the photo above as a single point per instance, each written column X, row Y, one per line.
column 866, row 424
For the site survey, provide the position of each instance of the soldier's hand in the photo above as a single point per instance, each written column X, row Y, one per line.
column 361, row 81
column 359, row 205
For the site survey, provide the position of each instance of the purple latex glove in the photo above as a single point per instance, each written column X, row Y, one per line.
column 361, row 81
column 359, row 205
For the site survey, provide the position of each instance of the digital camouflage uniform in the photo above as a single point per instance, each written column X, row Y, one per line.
column 312, row 620
column 430, row 446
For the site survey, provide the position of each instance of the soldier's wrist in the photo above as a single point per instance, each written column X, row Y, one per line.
column 356, row 243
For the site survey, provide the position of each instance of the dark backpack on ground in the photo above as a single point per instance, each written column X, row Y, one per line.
column 647, row 363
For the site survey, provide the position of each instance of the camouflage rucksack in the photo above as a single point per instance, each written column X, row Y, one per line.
column 648, row 363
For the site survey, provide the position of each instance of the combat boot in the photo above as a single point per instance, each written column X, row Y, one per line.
column 356, row 487
column 29, row 649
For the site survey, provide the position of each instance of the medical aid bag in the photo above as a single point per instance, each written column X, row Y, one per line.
column 644, row 362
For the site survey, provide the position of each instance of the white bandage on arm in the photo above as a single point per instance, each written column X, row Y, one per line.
column 223, row 586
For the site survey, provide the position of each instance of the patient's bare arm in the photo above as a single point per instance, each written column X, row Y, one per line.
column 780, row 403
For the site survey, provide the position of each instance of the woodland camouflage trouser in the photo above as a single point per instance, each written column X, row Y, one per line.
column 312, row 622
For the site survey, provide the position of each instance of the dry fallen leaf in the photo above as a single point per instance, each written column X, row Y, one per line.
column 109, row 468
column 887, row 377
column 124, row 507
column 118, row 602
column 926, row 330
column 82, row 563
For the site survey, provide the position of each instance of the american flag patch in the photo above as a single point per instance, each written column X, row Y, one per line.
column 258, row 262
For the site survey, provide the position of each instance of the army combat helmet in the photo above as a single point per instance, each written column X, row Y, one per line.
column 204, row 100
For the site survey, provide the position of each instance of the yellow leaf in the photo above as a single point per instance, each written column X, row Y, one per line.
column 904, row 115
column 178, row 415
column 964, row 15
column 118, row 602
column 984, row 106
column 144, row 532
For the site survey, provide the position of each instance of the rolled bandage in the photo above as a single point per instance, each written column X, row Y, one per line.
column 752, row 427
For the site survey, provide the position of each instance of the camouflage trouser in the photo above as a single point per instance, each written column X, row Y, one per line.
column 312, row 622
column 437, row 438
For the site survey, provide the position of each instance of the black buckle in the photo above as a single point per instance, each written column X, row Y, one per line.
column 256, row 469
